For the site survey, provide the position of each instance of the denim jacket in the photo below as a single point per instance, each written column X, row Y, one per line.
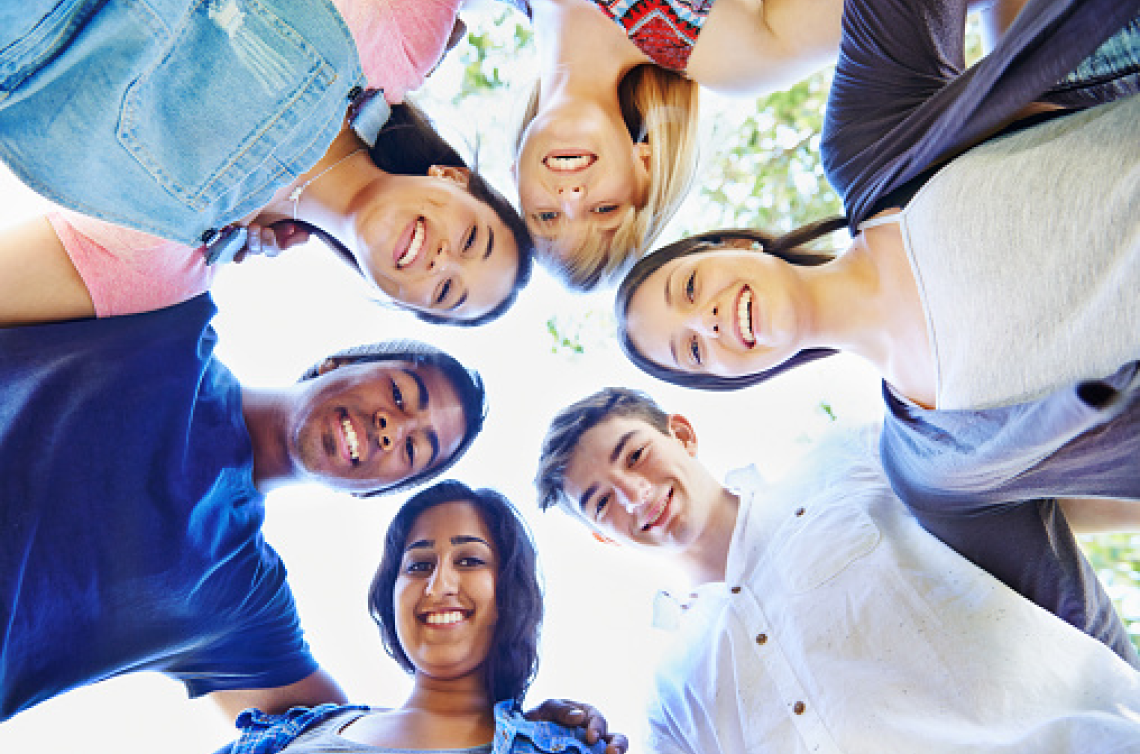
column 174, row 117
column 514, row 734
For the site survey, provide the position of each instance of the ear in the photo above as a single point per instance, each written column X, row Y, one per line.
column 328, row 365
column 680, row 429
column 460, row 176
column 642, row 151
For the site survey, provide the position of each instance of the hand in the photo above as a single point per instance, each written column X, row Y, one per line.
column 271, row 240
column 577, row 715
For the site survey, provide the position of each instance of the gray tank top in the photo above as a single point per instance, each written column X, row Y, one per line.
column 325, row 738
column 1026, row 252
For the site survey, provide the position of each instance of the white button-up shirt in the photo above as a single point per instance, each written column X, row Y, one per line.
column 843, row 626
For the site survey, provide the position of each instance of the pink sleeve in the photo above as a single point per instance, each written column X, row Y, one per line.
column 126, row 271
column 399, row 41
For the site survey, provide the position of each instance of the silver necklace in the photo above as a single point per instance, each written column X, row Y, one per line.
column 295, row 194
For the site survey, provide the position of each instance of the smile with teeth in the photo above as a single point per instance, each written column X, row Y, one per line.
column 569, row 163
column 744, row 317
column 351, row 441
column 414, row 245
column 448, row 618
column 657, row 513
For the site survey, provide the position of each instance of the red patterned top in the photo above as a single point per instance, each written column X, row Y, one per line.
column 665, row 30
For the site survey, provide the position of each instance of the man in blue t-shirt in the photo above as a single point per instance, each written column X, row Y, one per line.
column 133, row 469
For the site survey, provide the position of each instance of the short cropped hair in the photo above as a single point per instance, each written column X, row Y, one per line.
column 568, row 426
column 468, row 384
column 791, row 247
column 513, row 659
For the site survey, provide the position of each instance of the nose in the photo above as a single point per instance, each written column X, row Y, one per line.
column 708, row 322
column 390, row 433
column 571, row 199
column 444, row 580
column 632, row 492
column 441, row 259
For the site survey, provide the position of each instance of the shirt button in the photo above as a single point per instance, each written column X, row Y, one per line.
column 799, row 511
column 799, row 708
column 735, row 590
column 761, row 638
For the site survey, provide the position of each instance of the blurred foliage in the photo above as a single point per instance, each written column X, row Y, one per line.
column 765, row 171
column 1116, row 558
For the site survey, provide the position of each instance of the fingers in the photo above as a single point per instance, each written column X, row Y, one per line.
column 617, row 744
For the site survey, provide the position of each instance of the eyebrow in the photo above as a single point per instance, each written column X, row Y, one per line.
column 421, row 388
column 459, row 539
column 615, row 454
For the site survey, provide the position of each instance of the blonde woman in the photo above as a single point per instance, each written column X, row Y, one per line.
column 606, row 150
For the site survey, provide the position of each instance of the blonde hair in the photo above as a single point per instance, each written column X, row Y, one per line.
column 660, row 107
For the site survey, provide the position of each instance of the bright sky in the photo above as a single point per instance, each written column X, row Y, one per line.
column 279, row 316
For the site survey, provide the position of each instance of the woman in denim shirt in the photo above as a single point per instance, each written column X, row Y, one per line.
column 459, row 605
column 414, row 220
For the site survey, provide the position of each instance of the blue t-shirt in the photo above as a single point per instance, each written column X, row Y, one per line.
column 130, row 529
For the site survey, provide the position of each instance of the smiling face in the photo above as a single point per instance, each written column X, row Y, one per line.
column 640, row 486
column 579, row 175
column 445, row 593
column 429, row 244
column 362, row 427
column 727, row 312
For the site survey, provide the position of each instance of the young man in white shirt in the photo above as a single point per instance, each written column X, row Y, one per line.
column 826, row 619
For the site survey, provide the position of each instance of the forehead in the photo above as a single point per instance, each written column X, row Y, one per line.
column 597, row 449
column 440, row 523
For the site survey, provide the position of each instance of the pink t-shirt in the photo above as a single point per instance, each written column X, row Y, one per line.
column 126, row 271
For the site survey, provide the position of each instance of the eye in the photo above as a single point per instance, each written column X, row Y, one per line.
column 600, row 506
column 634, row 457
column 546, row 217
column 418, row 566
column 471, row 561
column 605, row 209
column 470, row 239
column 695, row 351
column 410, row 451
column 691, row 287
column 443, row 291
column 397, row 396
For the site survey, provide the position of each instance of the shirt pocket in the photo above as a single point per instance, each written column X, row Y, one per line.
column 818, row 544
column 233, row 84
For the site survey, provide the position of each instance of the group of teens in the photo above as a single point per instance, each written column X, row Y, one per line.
column 895, row 595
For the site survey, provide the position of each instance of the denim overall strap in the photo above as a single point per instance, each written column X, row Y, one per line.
column 175, row 117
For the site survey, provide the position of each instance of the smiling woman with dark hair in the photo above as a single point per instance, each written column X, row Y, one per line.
column 459, row 607
column 379, row 184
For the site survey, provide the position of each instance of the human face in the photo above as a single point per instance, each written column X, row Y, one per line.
column 362, row 427
column 640, row 486
column 445, row 594
column 727, row 312
column 430, row 245
column 579, row 175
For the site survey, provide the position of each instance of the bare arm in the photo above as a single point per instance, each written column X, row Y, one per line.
column 1096, row 515
column 314, row 689
column 38, row 282
column 761, row 46
column 996, row 16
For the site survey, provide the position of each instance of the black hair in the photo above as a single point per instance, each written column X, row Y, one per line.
column 408, row 144
column 468, row 385
column 513, row 659
column 791, row 247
